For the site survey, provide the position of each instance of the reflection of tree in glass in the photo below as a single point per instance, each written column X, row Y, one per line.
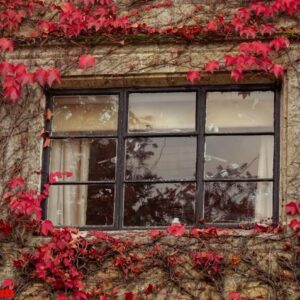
column 102, row 161
column 233, row 170
column 230, row 201
column 140, row 123
column 150, row 204
column 137, row 156
column 159, row 204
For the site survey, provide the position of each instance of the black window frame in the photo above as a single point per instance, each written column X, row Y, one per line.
column 199, row 133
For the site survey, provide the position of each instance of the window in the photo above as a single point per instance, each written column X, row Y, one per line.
column 144, row 157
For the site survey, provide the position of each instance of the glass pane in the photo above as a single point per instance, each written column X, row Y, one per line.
column 80, row 205
column 161, row 158
column 159, row 204
column 85, row 113
column 100, row 206
column 87, row 159
column 239, row 111
column 161, row 112
column 237, row 202
column 239, row 157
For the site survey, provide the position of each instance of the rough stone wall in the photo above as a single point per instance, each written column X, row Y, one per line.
column 149, row 65
column 257, row 267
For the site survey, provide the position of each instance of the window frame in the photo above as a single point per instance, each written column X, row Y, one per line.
column 199, row 132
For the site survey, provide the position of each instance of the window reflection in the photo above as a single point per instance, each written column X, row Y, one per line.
column 151, row 112
column 158, row 170
column 161, row 158
column 85, row 113
column 80, row 205
column 159, row 204
column 100, row 205
column 239, row 157
column 238, row 202
column 239, row 111
column 87, row 159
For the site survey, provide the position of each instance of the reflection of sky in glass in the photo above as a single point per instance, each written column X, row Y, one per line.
column 85, row 113
column 151, row 111
column 239, row 111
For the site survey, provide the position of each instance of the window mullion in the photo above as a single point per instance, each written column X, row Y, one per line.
column 118, row 213
column 46, row 155
column 200, row 127
column 276, row 155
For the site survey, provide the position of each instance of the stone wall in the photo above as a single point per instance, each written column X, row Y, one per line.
column 160, row 64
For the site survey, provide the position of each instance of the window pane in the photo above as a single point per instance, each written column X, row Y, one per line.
column 87, row 159
column 235, row 202
column 239, row 157
column 161, row 158
column 159, row 112
column 80, row 205
column 239, row 111
column 85, row 113
column 159, row 204
column 100, row 206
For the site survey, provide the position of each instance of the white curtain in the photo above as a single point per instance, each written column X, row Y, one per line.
column 67, row 204
column 263, row 201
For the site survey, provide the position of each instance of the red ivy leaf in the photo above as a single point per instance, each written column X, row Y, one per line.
column 213, row 25
column 233, row 295
column 41, row 76
column 46, row 228
column 149, row 289
column 27, row 78
column 292, row 208
column 46, row 27
column 6, row 44
column 5, row 228
column 267, row 29
column 11, row 88
column 16, row 182
column 48, row 114
column 248, row 33
column 87, row 2
column 52, row 76
column 195, row 231
column 47, row 142
column 230, row 60
column 61, row 297
column 86, row 61
column 128, row 296
column 155, row 233
column 237, row 74
column 294, row 225
column 176, row 229
column 68, row 174
column 277, row 70
column 279, row 43
column 193, row 76
column 67, row 7
column 211, row 66
column 261, row 228
column 80, row 295
column 8, row 283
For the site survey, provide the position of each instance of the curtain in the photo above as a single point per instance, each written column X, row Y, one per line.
column 263, row 200
column 67, row 204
